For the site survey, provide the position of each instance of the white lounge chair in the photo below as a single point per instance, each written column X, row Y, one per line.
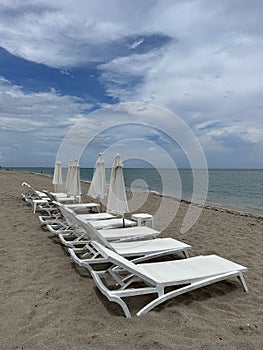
column 140, row 250
column 81, row 206
column 98, row 220
column 111, row 223
column 34, row 197
column 66, row 209
column 129, row 233
column 95, row 216
column 62, row 197
column 55, row 213
column 53, row 217
column 67, row 229
column 81, row 231
column 185, row 275
column 32, row 193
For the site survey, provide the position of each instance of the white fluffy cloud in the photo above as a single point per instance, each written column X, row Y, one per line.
column 68, row 33
column 34, row 123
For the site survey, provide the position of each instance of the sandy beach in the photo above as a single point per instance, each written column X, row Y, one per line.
column 47, row 302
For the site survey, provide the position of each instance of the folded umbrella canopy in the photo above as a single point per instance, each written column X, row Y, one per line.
column 117, row 200
column 97, row 188
column 69, row 174
column 57, row 177
column 73, row 180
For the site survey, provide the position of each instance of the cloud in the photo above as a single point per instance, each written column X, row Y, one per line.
column 200, row 59
column 64, row 34
column 208, row 77
column 35, row 122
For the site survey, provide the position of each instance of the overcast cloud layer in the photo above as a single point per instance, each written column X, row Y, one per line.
column 200, row 59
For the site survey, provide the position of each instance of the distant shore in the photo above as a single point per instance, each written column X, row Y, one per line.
column 257, row 213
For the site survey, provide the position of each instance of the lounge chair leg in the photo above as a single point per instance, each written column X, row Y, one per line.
column 112, row 296
column 243, row 282
column 186, row 254
column 123, row 305
column 189, row 288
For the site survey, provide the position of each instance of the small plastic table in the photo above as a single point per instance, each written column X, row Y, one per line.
column 141, row 218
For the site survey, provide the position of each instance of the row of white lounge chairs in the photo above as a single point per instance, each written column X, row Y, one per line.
column 119, row 258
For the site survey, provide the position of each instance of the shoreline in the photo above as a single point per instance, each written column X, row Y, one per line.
column 249, row 212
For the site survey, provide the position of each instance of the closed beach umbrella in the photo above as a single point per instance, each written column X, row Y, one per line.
column 57, row 176
column 73, row 185
column 69, row 174
column 117, row 201
column 97, row 187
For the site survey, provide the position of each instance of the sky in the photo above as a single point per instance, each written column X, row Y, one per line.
column 61, row 61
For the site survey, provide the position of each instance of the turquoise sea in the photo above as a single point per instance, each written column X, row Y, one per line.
column 236, row 188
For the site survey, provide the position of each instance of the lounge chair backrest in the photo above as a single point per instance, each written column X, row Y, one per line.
column 29, row 189
column 122, row 262
column 67, row 213
column 94, row 234
column 70, row 216
column 32, row 191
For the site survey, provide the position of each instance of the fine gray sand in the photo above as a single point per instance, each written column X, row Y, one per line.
column 47, row 302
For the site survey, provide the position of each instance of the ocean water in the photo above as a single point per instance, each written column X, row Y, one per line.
column 236, row 188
